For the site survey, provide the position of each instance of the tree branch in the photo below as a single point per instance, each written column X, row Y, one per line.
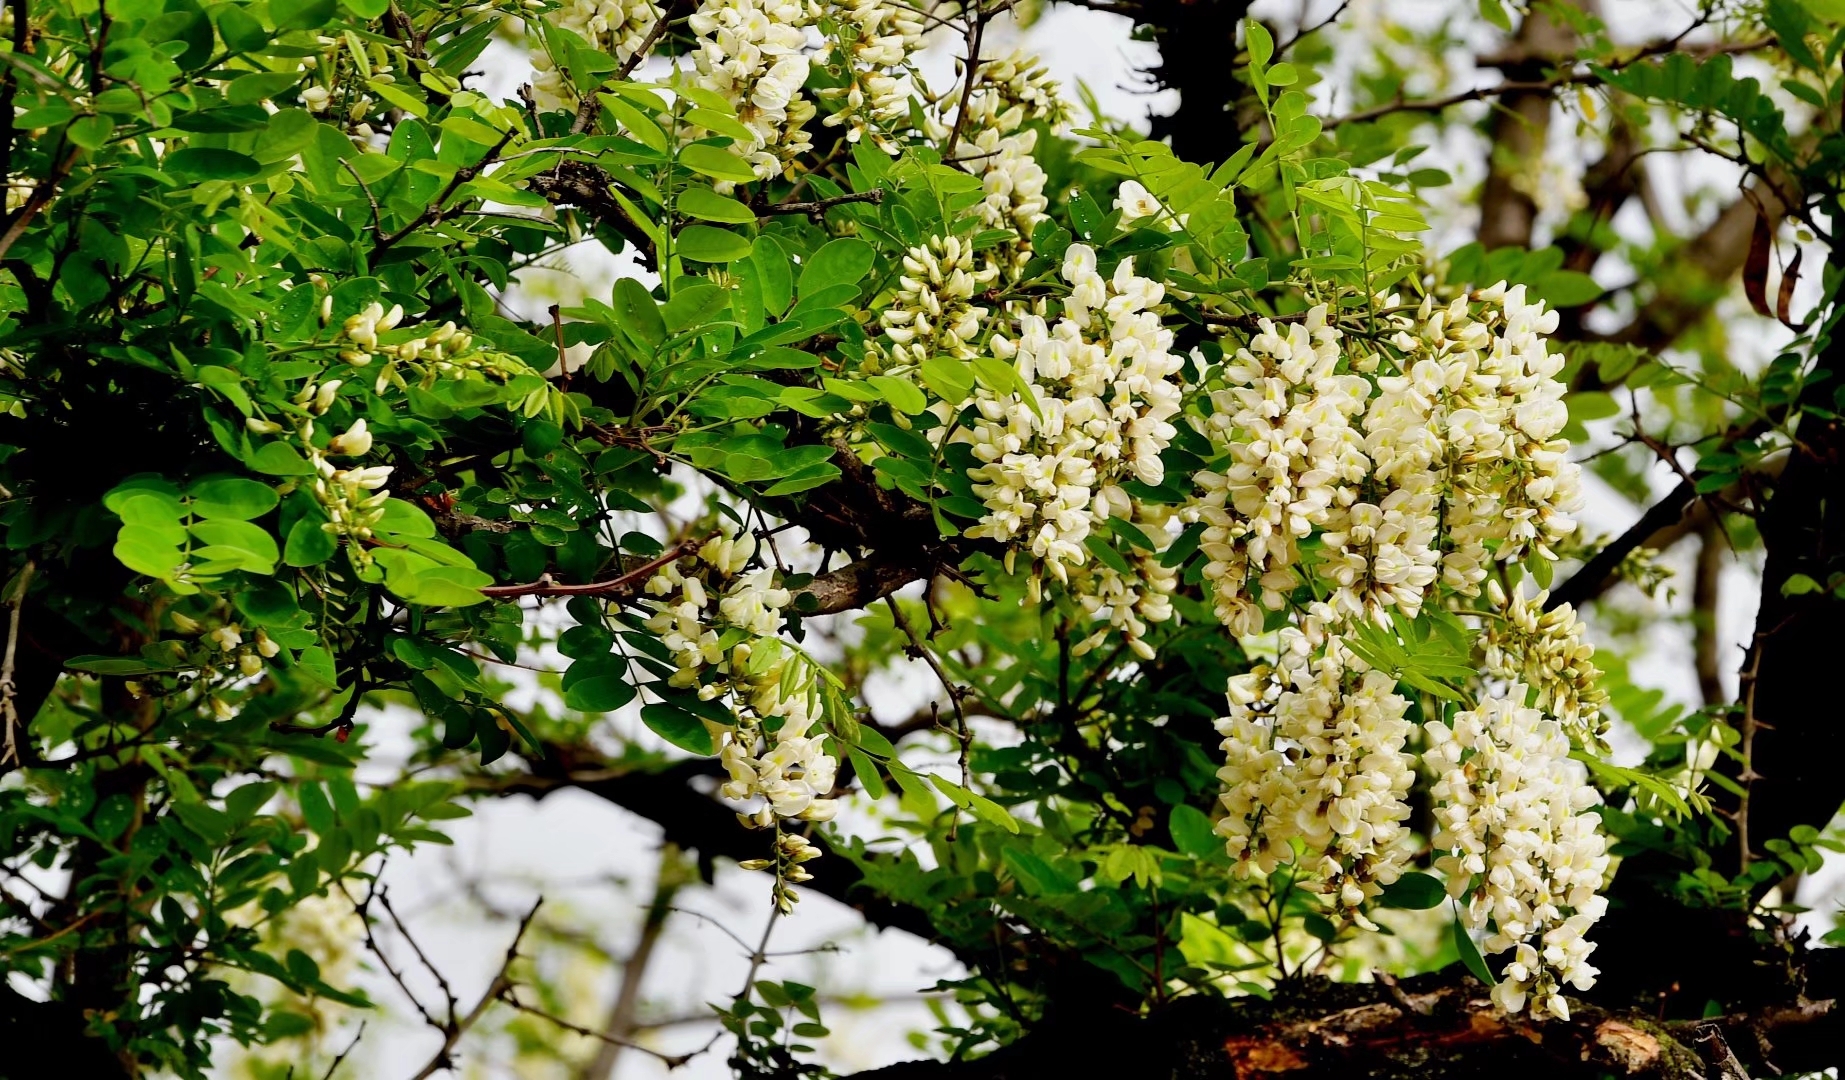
column 617, row 589
column 1431, row 1027
column 497, row 989
column 1555, row 82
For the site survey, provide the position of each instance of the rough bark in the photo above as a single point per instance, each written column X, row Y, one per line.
column 1197, row 43
column 1521, row 128
column 1793, row 727
column 1430, row 1028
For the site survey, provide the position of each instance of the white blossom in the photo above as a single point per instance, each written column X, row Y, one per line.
column 1103, row 389
column 1314, row 753
column 1516, row 837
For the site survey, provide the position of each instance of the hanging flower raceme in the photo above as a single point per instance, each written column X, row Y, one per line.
column 751, row 52
column 1391, row 482
column 994, row 143
column 876, row 41
column 933, row 312
column 722, row 621
column 1545, row 651
column 1295, row 458
column 616, row 27
column 1520, row 845
column 1103, row 388
column 1314, row 751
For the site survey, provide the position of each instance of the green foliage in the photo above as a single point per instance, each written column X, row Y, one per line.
column 275, row 449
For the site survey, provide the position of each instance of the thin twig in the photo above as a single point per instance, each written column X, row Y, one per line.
column 377, row 214
column 384, row 898
column 9, row 703
column 586, row 109
column 1519, row 86
column 816, row 207
column 499, row 989
column 976, row 28
column 544, row 586
column 1282, row 49
column 435, row 212
column 362, row 909
column 341, row 1060
column 671, row 1061
column 921, row 650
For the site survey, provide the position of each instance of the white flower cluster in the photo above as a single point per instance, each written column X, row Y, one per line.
column 932, row 313
column 616, row 27
column 1454, row 462
column 876, row 55
column 1411, row 474
column 1130, row 603
column 791, row 850
column 1286, row 420
column 722, row 621
column 223, row 646
column 1519, row 844
column 352, row 497
column 751, row 52
column 1104, row 387
column 1545, row 651
column 1474, row 418
column 1008, row 94
column 1314, row 753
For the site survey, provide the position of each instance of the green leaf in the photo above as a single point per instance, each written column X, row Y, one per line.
column 705, row 243
column 308, row 543
column 449, row 586
column 678, row 727
column 720, row 123
column 1261, row 43
column 210, row 163
column 716, row 163
column 90, row 132
column 1470, row 953
column 983, row 808
column 901, row 393
column 844, row 261
column 302, row 14
column 599, row 694
column 142, row 551
column 239, row 29
column 241, row 536
column 1567, row 288
column 1585, row 405
column 259, row 86
column 951, row 379
column 280, row 459
column 637, row 313
column 400, row 518
column 1414, row 891
column 867, row 772
column 702, row 202
column 1192, row 832
column 1038, row 877
column 232, row 498
column 1002, row 378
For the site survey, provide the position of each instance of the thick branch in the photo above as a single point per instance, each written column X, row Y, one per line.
column 698, row 822
column 1430, row 1028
